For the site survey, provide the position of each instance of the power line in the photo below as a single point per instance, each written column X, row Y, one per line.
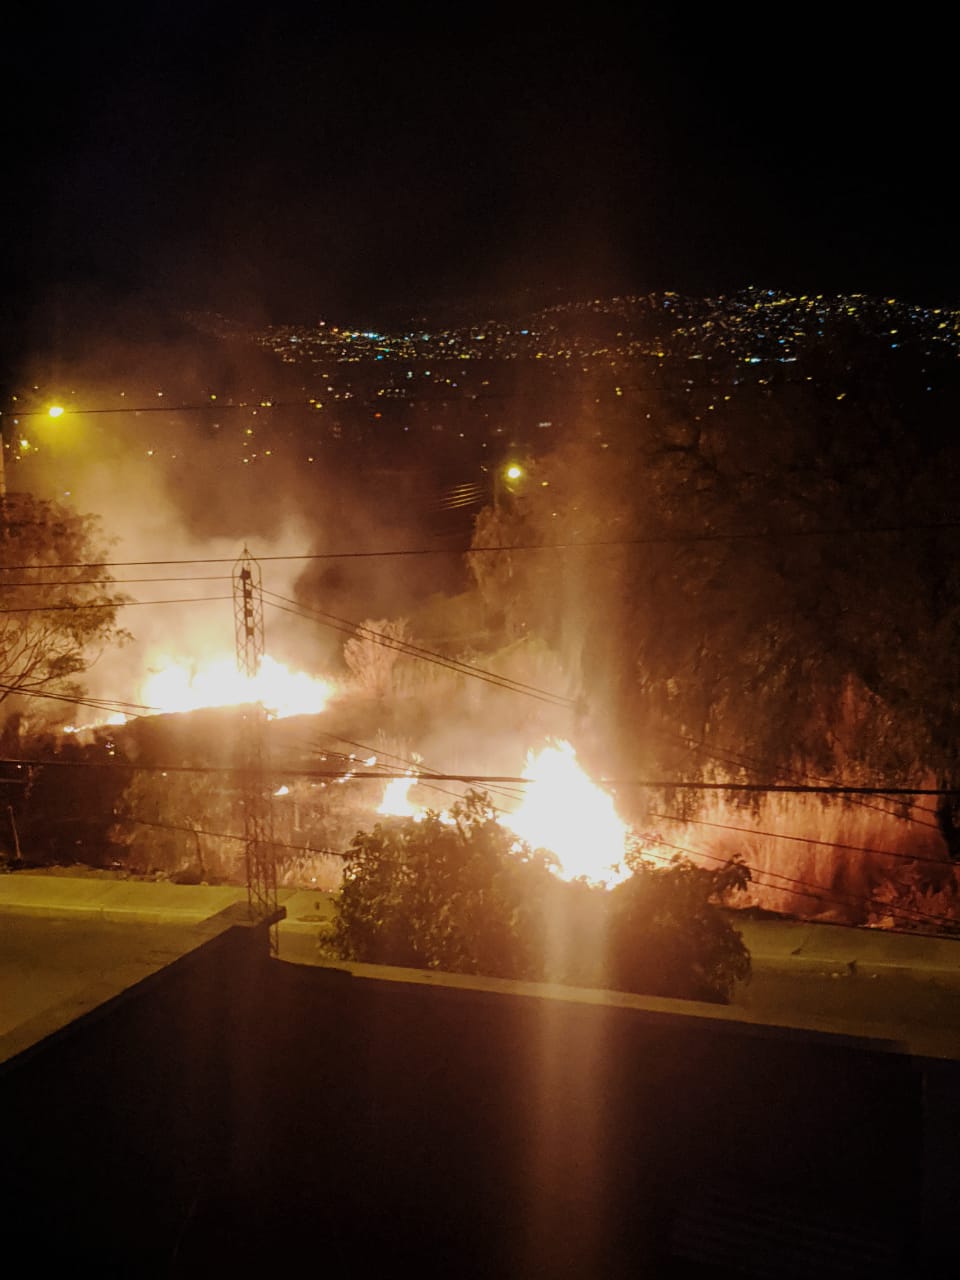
column 814, row 891
column 726, row 755
column 803, row 888
column 778, row 835
column 482, row 779
column 310, row 407
column 96, row 704
column 412, row 650
column 108, row 582
column 112, row 604
column 227, row 835
column 908, row 914
column 413, row 774
column 356, row 629
column 203, row 406
column 779, row 788
column 664, row 539
column 416, row 766
column 273, row 771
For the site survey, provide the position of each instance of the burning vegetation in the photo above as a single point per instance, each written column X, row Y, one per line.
column 700, row 585
column 458, row 891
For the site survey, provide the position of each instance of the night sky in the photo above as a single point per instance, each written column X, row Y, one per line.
column 295, row 163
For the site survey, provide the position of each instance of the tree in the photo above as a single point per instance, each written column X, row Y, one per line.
column 59, row 602
column 501, row 577
column 457, row 894
column 372, row 663
column 667, row 936
column 176, row 823
column 721, row 629
column 64, row 811
column 815, row 653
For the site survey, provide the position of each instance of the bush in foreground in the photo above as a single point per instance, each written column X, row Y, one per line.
column 666, row 935
column 463, row 895
column 457, row 895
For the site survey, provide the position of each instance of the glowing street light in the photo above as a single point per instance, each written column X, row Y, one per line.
column 508, row 479
column 17, row 442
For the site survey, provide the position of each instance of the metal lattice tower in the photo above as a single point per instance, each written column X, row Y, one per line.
column 259, row 850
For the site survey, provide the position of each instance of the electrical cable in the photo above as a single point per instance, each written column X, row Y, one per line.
column 809, row 890
column 727, row 755
column 101, row 704
column 666, row 539
column 416, row 651
column 109, row 582
column 778, row 835
column 484, row 779
column 908, row 914
column 416, row 767
column 814, row 891
column 112, row 604
column 227, row 835
column 355, row 629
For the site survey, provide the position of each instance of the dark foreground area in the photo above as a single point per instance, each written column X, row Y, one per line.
column 226, row 1111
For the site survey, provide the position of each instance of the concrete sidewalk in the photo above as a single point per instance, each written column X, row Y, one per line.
column 773, row 943
column 116, row 900
column 306, row 909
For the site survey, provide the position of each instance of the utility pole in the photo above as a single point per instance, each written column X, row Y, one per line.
column 259, row 849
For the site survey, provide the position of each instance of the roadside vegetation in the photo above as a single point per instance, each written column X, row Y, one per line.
column 460, row 893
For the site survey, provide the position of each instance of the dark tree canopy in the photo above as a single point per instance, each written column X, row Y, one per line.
column 64, row 813
column 786, row 595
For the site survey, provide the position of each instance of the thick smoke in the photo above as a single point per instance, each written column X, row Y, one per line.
column 172, row 486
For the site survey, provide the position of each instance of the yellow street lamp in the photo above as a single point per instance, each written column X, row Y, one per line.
column 53, row 411
column 508, row 478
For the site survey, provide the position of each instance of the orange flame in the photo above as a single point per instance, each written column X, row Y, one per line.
column 395, row 802
column 178, row 686
column 562, row 812
column 566, row 813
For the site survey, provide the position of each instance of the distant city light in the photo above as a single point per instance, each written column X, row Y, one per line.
column 55, row 411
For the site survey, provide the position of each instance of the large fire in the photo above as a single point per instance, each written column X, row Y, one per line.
column 184, row 686
column 396, row 802
column 565, row 812
column 178, row 686
column 562, row 811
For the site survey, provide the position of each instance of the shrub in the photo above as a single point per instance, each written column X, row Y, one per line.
column 460, row 894
column 667, row 935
